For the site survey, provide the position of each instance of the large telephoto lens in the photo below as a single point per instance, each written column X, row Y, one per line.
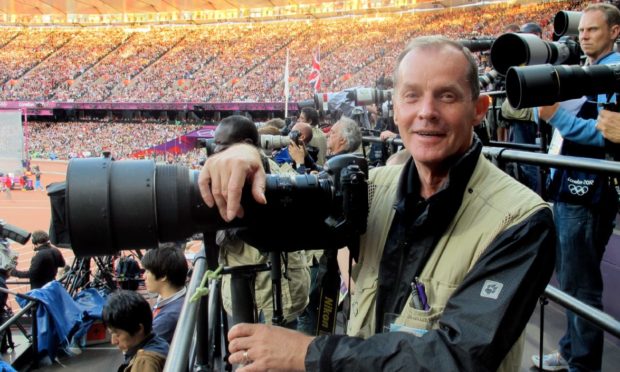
column 369, row 96
column 526, row 49
column 566, row 23
column 542, row 85
column 136, row 204
column 477, row 45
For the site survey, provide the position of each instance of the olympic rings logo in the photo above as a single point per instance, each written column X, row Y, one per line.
column 578, row 190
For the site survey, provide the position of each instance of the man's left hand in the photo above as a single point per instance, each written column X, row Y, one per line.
column 260, row 347
column 608, row 123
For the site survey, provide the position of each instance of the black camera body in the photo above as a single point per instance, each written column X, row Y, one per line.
column 295, row 135
column 136, row 204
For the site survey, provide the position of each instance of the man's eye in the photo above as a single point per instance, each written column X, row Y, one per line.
column 448, row 97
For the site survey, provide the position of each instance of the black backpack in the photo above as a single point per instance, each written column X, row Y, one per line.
column 128, row 273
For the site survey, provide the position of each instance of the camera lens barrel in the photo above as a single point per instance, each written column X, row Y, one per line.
column 135, row 204
column 94, row 187
column 566, row 22
column 517, row 50
column 541, row 85
column 477, row 45
column 526, row 49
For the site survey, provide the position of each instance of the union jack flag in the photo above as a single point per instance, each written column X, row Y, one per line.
column 315, row 76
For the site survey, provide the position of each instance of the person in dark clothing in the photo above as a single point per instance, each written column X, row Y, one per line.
column 165, row 274
column 127, row 315
column 45, row 263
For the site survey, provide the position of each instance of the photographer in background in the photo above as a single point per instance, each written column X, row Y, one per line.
column 448, row 224
column 310, row 116
column 45, row 263
column 234, row 252
column 165, row 273
column 128, row 318
column 584, row 215
column 344, row 137
column 301, row 135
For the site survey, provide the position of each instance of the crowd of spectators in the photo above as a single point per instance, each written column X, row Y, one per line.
column 25, row 49
column 66, row 140
column 64, row 65
column 232, row 62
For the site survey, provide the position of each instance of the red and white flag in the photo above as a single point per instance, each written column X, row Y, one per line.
column 315, row 75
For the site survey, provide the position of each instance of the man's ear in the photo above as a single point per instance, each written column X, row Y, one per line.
column 615, row 31
column 482, row 106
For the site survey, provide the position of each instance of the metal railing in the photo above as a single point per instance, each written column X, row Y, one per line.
column 595, row 316
column 179, row 354
column 31, row 307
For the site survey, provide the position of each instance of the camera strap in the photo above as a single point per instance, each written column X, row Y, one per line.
column 329, row 283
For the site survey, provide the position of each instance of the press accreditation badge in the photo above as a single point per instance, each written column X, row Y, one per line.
column 403, row 328
column 555, row 147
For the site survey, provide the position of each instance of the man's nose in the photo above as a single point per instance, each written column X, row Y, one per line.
column 428, row 109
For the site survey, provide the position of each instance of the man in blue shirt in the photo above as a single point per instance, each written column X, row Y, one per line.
column 585, row 204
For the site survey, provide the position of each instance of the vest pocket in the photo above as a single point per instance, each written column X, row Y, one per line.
column 362, row 320
column 419, row 321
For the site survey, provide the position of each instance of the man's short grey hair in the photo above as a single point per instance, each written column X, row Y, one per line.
column 612, row 14
column 351, row 133
column 438, row 42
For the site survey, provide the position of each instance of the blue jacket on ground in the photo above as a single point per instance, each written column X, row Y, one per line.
column 58, row 317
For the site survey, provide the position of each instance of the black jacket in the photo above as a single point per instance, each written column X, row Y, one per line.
column 471, row 337
column 43, row 266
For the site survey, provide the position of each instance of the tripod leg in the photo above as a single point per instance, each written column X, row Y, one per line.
column 242, row 296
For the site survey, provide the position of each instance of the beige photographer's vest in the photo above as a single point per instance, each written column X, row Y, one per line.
column 492, row 203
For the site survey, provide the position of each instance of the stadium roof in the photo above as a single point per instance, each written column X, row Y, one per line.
column 64, row 7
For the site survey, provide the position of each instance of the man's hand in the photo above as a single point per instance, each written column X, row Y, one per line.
column 297, row 153
column 608, row 123
column 260, row 347
column 386, row 134
column 223, row 176
column 547, row 112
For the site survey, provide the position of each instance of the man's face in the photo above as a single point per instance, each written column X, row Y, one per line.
column 335, row 142
column 433, row 106
column 595, row 36
column 302, row 118
column 151, row 283
column 123, row 340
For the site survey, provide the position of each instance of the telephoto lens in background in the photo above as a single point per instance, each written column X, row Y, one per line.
column 514, row 49
column 566, row 23
column 542, row 85
column 369, row 96
column 14, row 233
column 488, row 78
column 478, row 44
